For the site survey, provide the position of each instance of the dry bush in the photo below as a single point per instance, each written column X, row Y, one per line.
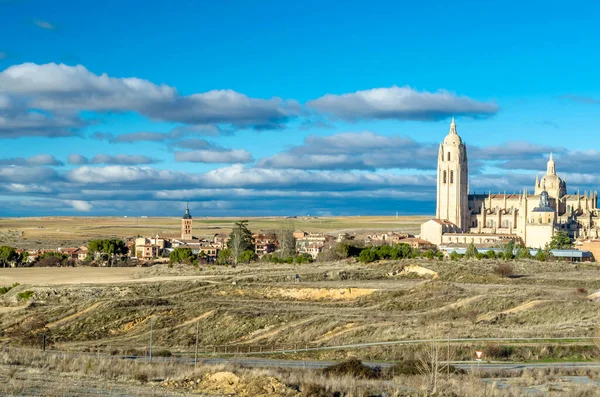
column 504, row 269
column 354, row 368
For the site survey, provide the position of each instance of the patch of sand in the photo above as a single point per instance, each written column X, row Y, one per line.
column 314, row 294
column 524, row 306
column 419, row 270
column 230, row 384
column 595, row 296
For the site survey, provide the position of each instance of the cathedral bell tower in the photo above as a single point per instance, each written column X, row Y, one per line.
column 453, row 181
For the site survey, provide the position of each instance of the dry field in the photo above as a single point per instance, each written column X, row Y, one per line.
column 53, row 232
column 259, row 306
column 253, row 307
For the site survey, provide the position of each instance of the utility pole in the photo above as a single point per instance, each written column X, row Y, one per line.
column 150, row 347
column 196, row 353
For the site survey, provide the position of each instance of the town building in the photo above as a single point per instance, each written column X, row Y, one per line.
column 264, row 243
column 532, row 219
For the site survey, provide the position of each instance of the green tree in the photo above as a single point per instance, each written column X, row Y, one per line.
column 224, row 257
column 491, row 254
column 455, row 256
column 181, row 255
column 367, row 255
column 247, row 256
column 509, row 250
column 471, row 251
column 8, row 256
column 524, row 253
column 561, row 241
column 240, row 240
column 109, row 250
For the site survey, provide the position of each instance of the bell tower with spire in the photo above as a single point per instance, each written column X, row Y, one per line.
column 453, row 180
column 186, row 224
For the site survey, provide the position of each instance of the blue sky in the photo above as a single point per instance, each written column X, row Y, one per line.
column 287, row 108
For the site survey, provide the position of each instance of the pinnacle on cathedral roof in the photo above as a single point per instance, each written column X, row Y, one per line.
column 452, row 138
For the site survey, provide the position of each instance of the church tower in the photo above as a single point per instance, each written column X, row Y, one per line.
column 186, row 225
column 453, row 181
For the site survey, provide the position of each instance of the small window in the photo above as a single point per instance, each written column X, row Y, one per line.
column 451, row 176
column 448, row 156
column 444, row 177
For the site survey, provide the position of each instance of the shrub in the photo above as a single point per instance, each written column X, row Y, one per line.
column 4, row 290
column 503, row 270
column 354, row 368
column 471, row 251
column 498, row 352
column 25, row 295
column 429, row 254
column 491, row 254
column 454, row 256
column 367, row 255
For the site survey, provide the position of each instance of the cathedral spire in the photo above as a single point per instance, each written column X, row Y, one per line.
column 453, row 126
column 551, row 167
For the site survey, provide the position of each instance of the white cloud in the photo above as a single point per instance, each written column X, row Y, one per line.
column 123, row 159
column 79, row 205
column 77, row 159
column 214, row 156
column 401, row 103
column 58, row 87
column 356, row 150
column 33, row 161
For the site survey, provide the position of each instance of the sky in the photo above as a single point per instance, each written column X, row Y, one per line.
column 133, row 108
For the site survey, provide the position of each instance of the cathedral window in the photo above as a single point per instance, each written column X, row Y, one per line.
column 444, row 176
column 448, row 156
column 451, row 176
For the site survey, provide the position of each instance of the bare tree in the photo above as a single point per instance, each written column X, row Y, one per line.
column 240, row 240
column 434, row 360
column 287, row 241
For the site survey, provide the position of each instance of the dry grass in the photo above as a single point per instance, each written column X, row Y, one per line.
column 53, row 232
column 53, row 374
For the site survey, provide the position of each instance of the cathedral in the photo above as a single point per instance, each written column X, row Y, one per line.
column 489, row 219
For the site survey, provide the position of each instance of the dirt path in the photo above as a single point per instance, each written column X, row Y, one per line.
column 195, row 319
column 10, row 309
column 87, row 276
column 524, row 306
column 74, row 315
column 458, row 304
column 268, row 334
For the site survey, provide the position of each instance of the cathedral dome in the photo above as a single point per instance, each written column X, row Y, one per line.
column 452, row 138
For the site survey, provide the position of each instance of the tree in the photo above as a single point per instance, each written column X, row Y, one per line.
column 367, row 255
column 181, row 255
column 224, row 257
column 561, row 241
column 240, row 240
column 8, row 256
column 287, row 241
column 108, row 249
column 471, row 251
column 247, row 256
column 509, row 250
